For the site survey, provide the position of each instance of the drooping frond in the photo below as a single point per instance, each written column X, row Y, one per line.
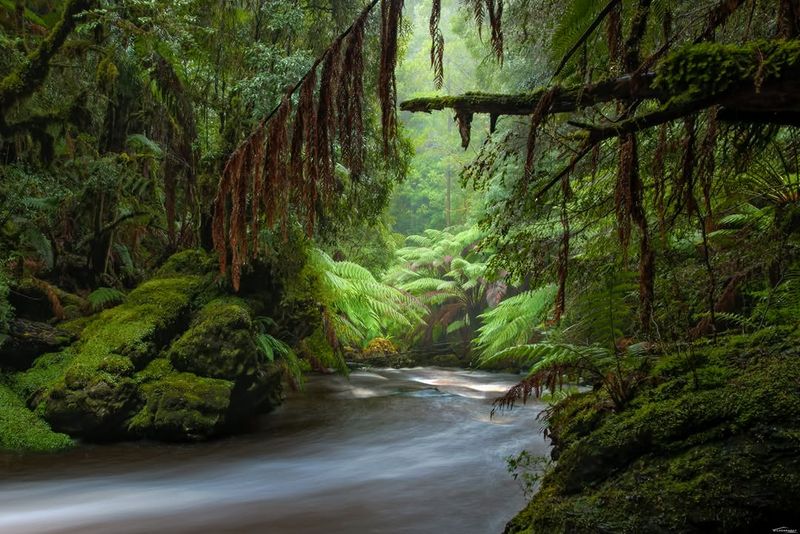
column 494, row 9
column 391, row 17
column 276, row 351
column 514, row 321
column 551, row 365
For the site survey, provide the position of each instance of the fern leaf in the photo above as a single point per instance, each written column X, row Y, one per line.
column 103, row 297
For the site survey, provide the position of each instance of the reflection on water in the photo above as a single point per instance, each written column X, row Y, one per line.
column 389, row 451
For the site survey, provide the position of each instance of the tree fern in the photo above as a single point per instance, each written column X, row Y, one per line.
column 514, row 321
column 362, row 307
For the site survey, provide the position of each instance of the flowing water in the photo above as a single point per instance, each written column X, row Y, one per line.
column 389, row 451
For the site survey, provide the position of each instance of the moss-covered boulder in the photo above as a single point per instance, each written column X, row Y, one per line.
column 182, row 406
column 96, row 392
column 176, row 361
column 21, row 429
column 219, row 344
column 713, row 445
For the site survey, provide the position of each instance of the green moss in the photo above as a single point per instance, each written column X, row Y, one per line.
column 95, row 392
column 194, row 261
column 712, row 445
column 155, row 370
column 707, row 69
column 183, row 406
column 220, row 342
column 46, row 371
column 76, row 326
column 22, row 430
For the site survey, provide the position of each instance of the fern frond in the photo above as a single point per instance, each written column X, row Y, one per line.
column 102, row 297
column 514, row 320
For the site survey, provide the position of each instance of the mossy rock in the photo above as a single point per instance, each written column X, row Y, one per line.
column 22, row 430
column 191, row 261
column 183, row 407
column 47, row 370
column 173, row 362
column 715, row 448
column 219, row 344
column 93, row 402
column 95, row 393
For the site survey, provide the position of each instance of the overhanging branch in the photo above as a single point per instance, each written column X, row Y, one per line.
column 567, row 100
column 28, row 76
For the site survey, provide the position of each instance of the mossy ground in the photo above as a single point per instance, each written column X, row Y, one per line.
column 712, row 445
column 21, row 429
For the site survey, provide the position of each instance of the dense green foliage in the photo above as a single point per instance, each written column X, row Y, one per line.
column 624, row 219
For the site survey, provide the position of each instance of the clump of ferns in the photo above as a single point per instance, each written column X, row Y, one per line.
column 554, row 365
column 589, row 348
column 278, row 352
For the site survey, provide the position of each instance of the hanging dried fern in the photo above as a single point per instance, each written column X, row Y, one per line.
column 391, row 18
column 286, row 165
column 614, row 36
column 537, row 118
column 476, row 7
column 629, row 207
column 563, row 252
column 494, row 8
column 351, row 100
column 326, row 115
column 623, row 193
column 437, row 44
column 658, row 170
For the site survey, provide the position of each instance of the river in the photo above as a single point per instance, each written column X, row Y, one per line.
column 383, row 451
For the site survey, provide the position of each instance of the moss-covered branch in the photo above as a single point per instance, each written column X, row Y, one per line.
column 762, row 76
column 28, row 76
column 566, row 100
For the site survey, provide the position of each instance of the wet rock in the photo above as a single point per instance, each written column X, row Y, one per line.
column 710, row 448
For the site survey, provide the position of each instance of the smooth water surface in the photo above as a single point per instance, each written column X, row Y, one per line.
column 389, row 451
